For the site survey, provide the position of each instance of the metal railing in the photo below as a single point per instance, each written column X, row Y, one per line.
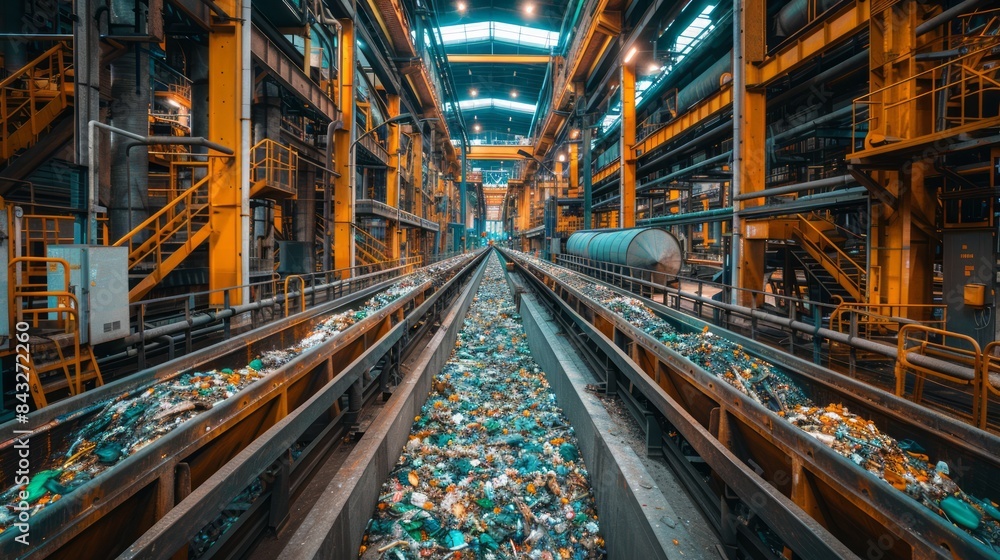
column 32, row 97
column 801, row 330
column 848, row 273
column 273, row 167
column 192, row 312
column 956, row 84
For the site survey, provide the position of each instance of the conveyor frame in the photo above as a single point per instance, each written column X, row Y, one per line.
column 800, row 484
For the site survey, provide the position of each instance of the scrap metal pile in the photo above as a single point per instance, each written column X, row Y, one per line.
column 123, row 425
column 491, row 468
column 899, row 463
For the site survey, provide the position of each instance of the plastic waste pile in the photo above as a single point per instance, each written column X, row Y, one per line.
column 903, row 464
column 491, row 469
column 123, row 425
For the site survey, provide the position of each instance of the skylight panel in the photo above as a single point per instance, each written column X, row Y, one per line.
column 491, row 103
column 498, row 31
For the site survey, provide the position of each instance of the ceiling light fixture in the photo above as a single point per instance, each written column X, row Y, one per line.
column 562, row 158
column 461, row 7
column 529, row 8
column 631, row 53
column 654, row 67
column 476, row 127
column 513, row 94
column 473, row 92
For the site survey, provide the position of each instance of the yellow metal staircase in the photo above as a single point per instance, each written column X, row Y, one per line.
column 833, row 262
column 369, row 250
column 32, row 98
column 161, row 242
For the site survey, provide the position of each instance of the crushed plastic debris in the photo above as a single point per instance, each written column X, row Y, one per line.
column 125, row 424
column 491, row 469
column 901, row 464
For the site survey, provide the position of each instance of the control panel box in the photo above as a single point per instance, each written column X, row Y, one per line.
column 98, row 277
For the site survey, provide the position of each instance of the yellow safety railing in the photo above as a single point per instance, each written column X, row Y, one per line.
column 32, row 97
column 67, row 320
column 874, row 320
column 942, row 354
column 991, row 376
column 39, row 231
column 302, row 293
column 959, row 86
column 273, row 167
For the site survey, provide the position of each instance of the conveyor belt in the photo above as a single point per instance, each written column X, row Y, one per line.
column 491, row 466
column 812, row 453
column 105, row 465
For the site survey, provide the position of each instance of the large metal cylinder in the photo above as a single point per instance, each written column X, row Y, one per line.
column 645, row 248
column 795, row 14
column 704, row 85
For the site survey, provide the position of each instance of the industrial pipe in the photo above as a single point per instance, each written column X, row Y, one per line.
column 946, row 15
column 835, row 71
column 834, row 182
column 739, row 87
column 92, row 171
column 805, row 127
column 680, row 172
column 700, row 139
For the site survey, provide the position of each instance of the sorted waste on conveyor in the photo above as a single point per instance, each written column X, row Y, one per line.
column 491, row 469
column 124, row 424
column 903, row 464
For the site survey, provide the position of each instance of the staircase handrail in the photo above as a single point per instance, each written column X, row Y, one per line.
column 169, row 207
column 17, row 74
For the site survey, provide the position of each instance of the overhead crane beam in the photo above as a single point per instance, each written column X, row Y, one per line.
column 494, row 152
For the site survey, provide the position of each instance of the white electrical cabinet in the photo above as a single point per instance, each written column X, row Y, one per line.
column 98, row 277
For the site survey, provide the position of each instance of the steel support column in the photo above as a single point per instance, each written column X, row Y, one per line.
column 574, row 171
column 462, row 196
column 343, row 192
column 588, row 183
column 749, row 150
column 225, row 94
column 394, row 231
column 899, row 243
column 627, row 161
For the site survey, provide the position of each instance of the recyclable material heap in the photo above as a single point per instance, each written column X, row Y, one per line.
column 130, row 421
column 491, row 468
column 899, row 463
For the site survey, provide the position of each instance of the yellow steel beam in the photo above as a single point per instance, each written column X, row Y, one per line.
column 606, row 171
column 225, row 249
column 704, row 109
column 495, row 152
column 574, row 171
column 626, row 144
column 749, row 114
column 394, row 234
column 844, row 24
column 343, row 197
column 499, row 58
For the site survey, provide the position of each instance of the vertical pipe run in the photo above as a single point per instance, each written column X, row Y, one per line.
column 588, row 177
column 246, row 93
column 462, row 196
column 739, row 86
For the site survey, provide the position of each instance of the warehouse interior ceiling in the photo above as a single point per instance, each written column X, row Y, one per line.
column 498, row 53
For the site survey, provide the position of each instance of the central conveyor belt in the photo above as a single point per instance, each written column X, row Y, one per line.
column 491, row 465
